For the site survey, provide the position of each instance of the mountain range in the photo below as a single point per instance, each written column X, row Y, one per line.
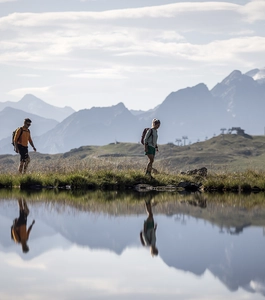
column 193, row 113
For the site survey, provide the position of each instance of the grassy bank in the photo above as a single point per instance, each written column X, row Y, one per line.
column 246, row 181
column 86, row 180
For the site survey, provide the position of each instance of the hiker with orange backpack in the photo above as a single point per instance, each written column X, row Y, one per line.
column 150, row 144
column 19, row 232
column 21, row 139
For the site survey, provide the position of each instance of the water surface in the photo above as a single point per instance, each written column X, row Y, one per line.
column 90, row 251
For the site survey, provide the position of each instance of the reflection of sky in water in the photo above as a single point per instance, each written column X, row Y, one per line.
column 81, row 255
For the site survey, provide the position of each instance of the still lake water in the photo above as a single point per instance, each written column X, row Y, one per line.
column 83, row 250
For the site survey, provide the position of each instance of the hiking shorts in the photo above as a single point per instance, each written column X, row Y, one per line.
column 22, row 220
column 151, row 150
column 23, row 151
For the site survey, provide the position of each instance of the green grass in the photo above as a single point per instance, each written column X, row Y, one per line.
column 250, row 180
column 231, row 153
column 234, row 163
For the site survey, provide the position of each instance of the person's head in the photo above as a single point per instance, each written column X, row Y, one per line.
column 155, row 123
column 154, row 251
column 25, row 247
column 27, row 122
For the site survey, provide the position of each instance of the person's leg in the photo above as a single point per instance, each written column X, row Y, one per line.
column 150, row 164
column 23, row 151
column 148, row 208
column 26, row 209
column 20, row 167
column 26, row 164
column 20, row 204
column 21, row 164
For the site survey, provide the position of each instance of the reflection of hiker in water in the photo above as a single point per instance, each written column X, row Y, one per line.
column 19, row 232
column 148, row 235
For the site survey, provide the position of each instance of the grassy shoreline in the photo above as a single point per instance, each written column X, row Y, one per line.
column 247, row 181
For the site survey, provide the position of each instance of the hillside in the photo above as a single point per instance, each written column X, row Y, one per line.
column 222, row 153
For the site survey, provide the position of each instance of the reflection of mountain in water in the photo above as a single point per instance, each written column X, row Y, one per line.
column 196, row 246
column 184, row 242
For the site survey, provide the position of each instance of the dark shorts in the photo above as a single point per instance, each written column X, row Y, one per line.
column 151, row 150
column 22, row 220
column 23, row 151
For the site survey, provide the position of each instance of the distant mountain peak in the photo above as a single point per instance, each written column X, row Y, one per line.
column 198, row 89
column 120, row 104
column 257, row 74
column 30, row 97
column 235, row 75
column 32, row 104
column 252, row 73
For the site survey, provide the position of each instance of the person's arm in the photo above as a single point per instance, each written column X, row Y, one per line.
column 142, row 239
column 30, row 227
column 145, row 239
column 145, row 227
column 156, row 146
column 31, row 143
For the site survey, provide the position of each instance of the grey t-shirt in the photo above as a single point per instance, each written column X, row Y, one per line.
column 151, row 137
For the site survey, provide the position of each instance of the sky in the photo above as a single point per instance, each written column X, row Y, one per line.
column 86, row 53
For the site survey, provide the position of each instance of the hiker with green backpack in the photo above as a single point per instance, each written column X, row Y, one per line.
column 21, row 139
column 150, row 145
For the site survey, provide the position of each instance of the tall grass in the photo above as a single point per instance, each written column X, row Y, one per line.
column 236, row 181
column 122, row 174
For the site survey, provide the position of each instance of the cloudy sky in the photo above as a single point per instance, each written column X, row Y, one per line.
column 85, row 53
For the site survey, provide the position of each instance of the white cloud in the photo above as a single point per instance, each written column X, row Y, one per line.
column 99, row 74
column 182, row 40
column 28, row 75
column 254, row 11
column 3, row 1
column 18, row 263
column 30, row 90
column 163, row 11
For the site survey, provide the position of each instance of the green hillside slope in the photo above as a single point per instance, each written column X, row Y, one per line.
column 229, row 152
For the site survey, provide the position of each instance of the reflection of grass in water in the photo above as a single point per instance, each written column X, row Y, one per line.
column 100, row 197
column 227, row 210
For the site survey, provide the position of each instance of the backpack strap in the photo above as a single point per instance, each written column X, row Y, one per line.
column 21, row 131
column 151, row 134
